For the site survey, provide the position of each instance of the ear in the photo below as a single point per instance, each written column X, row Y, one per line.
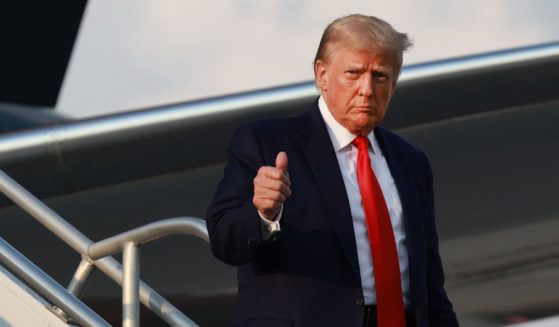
column 320, row 75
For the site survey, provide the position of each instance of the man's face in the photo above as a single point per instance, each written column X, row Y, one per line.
column 357, row 87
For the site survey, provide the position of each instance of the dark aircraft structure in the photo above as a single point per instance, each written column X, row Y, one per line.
column 489, row 124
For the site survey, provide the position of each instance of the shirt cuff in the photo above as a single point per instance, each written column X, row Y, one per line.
column 271, row 229
column 276, row 218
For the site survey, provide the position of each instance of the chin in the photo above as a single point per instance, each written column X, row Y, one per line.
column 361, row 130
column 368, row 127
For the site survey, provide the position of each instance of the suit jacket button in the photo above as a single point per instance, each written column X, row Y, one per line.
column 359, row 301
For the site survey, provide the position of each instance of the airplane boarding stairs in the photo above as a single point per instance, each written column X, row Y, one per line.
column 29, row 297
column 21, row 306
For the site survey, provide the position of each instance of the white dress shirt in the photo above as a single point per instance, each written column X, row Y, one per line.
column 346, row 154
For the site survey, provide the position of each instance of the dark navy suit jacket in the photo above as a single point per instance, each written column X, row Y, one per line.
column 310, row 275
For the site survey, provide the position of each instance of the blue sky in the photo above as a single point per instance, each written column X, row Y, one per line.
column 131, row 54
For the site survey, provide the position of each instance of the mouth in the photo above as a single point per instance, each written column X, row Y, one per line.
column 365, row 108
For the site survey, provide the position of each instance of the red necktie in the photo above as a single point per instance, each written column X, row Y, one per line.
column 390, row 305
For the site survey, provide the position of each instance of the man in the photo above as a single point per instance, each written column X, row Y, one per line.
column 358, row 243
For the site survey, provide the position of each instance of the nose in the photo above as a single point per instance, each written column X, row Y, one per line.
column 366, row 85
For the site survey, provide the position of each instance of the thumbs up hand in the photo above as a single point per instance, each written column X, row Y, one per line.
column 272, row 187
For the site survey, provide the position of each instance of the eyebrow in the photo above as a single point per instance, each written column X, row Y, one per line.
column 384, row 69
column 355, row 66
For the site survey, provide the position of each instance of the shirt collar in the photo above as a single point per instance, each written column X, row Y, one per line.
column 340, row 136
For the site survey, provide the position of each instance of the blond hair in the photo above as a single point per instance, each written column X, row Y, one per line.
column 364, row 33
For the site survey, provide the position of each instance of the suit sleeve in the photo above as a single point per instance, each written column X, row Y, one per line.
column 441, row 313
column 234, row 226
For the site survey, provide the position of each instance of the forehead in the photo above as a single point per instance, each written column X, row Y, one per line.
column 345, row 55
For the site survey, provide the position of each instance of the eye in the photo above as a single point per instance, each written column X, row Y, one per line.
column 352, row 73
column 381, row 77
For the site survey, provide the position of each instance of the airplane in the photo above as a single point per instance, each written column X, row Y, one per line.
column 487, row 122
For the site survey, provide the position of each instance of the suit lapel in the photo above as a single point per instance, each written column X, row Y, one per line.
column 324, row 165
column 404, row 179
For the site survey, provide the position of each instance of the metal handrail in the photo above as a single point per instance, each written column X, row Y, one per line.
column 148, row 233
column 48, row 287
column 80, row 243
column 129, row 243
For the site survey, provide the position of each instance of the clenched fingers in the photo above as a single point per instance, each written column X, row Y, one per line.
column 271, row 188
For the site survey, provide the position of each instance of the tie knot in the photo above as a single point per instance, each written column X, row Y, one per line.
column 361, row 142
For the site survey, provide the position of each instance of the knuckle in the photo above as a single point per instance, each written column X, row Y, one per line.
column 261, row 172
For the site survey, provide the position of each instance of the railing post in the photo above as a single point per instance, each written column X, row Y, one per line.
column 81, row 276
column 131, row 285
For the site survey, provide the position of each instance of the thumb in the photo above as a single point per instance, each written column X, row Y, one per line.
column 281, row 161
